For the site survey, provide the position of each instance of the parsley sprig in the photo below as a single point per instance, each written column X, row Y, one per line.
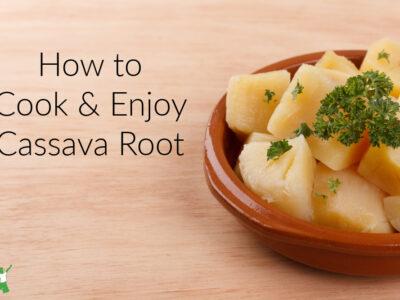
column 362, row 105
column 269, row 95
column 277, row 148
column 333, row 184
column 323, row 196
column 383, row 55
column 304, row 130
column 297, row 90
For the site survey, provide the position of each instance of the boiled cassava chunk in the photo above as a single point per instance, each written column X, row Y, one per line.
column 381, row 166
column 254, row 137
column 384, row 55
column 330, row 60
column 260, row 137
column 357, row 205
column 289, row 114
column 392, row 209
column 246, row 110
column 286, row 182
column 336, row 155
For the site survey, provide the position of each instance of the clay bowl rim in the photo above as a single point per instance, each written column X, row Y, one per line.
column 266, row 220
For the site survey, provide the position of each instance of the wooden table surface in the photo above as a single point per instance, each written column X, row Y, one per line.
column 137, row 227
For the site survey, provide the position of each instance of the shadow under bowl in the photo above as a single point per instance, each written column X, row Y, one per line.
column 311, row 244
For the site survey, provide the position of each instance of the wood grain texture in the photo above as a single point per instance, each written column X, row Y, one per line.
column 148, row 227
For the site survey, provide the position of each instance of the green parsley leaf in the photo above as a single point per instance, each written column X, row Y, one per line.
column 333, row 184
column 304, row 130
column 383, row 55
column 297, row 90
column 361, row 105
column 278, row 148
column 269, row 95
column 321, row 196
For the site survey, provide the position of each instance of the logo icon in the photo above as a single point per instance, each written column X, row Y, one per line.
column 3, row 280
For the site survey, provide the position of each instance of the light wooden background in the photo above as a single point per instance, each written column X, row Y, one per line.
column 147, row 227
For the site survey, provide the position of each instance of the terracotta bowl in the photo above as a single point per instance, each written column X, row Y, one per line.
column 311, row 244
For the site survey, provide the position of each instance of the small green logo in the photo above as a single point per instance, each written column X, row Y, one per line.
column 3, row 280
